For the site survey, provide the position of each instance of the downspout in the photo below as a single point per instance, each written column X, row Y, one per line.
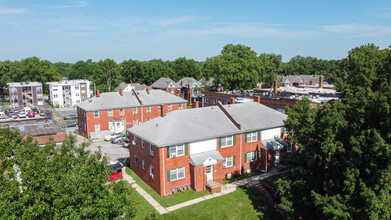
column 195, row 178
column 266, row 163
column 164, row 175
column 240, row 156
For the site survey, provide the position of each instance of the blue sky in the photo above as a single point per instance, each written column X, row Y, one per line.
column 70, row 30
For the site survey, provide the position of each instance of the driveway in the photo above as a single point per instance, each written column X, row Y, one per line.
column 62, row 112
column 114, row 152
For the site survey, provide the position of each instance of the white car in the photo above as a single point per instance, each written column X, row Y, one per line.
column 22, row 115
column 111, row 136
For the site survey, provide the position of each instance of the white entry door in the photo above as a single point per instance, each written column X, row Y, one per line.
column 277, row 158
column 209, row 173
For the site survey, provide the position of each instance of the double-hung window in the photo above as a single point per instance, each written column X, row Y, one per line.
column 228, row 161
column 110, row 112
column 97, row 127
column 148, row 108
column 227, row 141
column 177, row 173
column 251, row 156
column 121, row 111
column 135, row 140
column 180, row 106
column 135, row 110
column 143, row 164
column 251, row 136
column 152, row 172
column 151, row 149
column 142, row 143
column 134, row 122
column 96, row 114
column 176, row 151
column 289, row 149
column 135, row 160
column 207, row 100
column 169, row 107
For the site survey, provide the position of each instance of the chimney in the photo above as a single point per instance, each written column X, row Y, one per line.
column 320, row 82
column 196, row 104
column 275, row 86
column 166, row 88
column 121, row 92
column 232, row 100
column 148, row 90
column 258, row 99
column 181, row 82
column 97, row 93
column 164, row 110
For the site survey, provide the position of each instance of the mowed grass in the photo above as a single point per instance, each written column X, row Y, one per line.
column 272, row 181
column 245, row 203
column 168, row 200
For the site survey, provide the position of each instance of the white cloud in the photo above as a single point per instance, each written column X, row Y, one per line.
column 358, row 30
column 6, row 11
column 177, row 20
column 248, row 30
column 73, row 4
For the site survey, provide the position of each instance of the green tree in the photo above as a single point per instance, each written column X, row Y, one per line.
column 83, row 70
column 185, row 68
column 107, row 74
column 342, row 169
column 154, row 69
column 238, row 67
column 132, row 71
column 63, row 68
column 57, row 182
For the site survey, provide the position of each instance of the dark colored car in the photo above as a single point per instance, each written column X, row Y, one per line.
column 48, row 113
column 117, row 171
column 35, row 110
column 70, row 117
column 119, row 139
column 70, row 124
column 10, row 113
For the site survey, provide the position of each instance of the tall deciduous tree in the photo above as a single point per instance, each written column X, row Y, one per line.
column 238, row 67
column 107, row 72
column 186, row 68
column 57, row 182
column 132, row 71
column 342, row 169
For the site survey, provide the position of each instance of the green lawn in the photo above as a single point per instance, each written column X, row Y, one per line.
column 168, row 200
column 240, row 177
column 244, row 203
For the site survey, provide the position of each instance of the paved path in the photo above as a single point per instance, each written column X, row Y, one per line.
column 225, row 189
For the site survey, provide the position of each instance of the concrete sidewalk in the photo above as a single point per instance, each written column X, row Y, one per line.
column 225, row 189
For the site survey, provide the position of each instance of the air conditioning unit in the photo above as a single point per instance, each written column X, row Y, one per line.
column 249, row 170
column 229, row 175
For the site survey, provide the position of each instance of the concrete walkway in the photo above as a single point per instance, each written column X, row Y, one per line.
column 225, row 189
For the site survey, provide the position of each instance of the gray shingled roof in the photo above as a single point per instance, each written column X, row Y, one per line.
column 136, row 86
column 113, row 100
column 187, row 125
column 254, row 116
column 163, row 82
column 197, row 124
column 199, row 159
column 187, row 81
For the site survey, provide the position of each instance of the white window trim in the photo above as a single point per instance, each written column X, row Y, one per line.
column 135, row 160
column 169, row 107
column 151, row 149
column 289, row 148
column 123, row 111
column 180, row 105
column 226, row 141
column 135, row 140
column 251, row 159
column 110, row 112
column 249, row 140
column 148, row 108
column 152, row 171
column 143, row 164
column 98, row 127
column 225, row 161
column 134, row 110
column 95, row 115
column 142, row 143
column 177, row 171
column 176, row 154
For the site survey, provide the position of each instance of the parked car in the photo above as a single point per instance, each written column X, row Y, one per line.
column 3, row 117
column 70, row 117
column 117, row 170
column 31, row 114
column 48, row 113
column 2, row 114
column 9, row 113
column 70, row 124
column 119, row 139
column 13, row 116
column 21, row 114
column 35, row 110
column 26, row 109
column 111, row 136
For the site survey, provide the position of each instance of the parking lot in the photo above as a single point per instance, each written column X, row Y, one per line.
column 114, row 152
column 62, row 112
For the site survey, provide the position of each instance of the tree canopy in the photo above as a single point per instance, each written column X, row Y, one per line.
column 57, row 182
column 342, row 169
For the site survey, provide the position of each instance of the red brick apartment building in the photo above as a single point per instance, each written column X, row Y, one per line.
column 117, row 111
column 197, row 148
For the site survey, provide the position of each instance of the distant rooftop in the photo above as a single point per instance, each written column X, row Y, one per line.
column 113, row 100
column 23, row 84
column 68, row 82
column 164, row 82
